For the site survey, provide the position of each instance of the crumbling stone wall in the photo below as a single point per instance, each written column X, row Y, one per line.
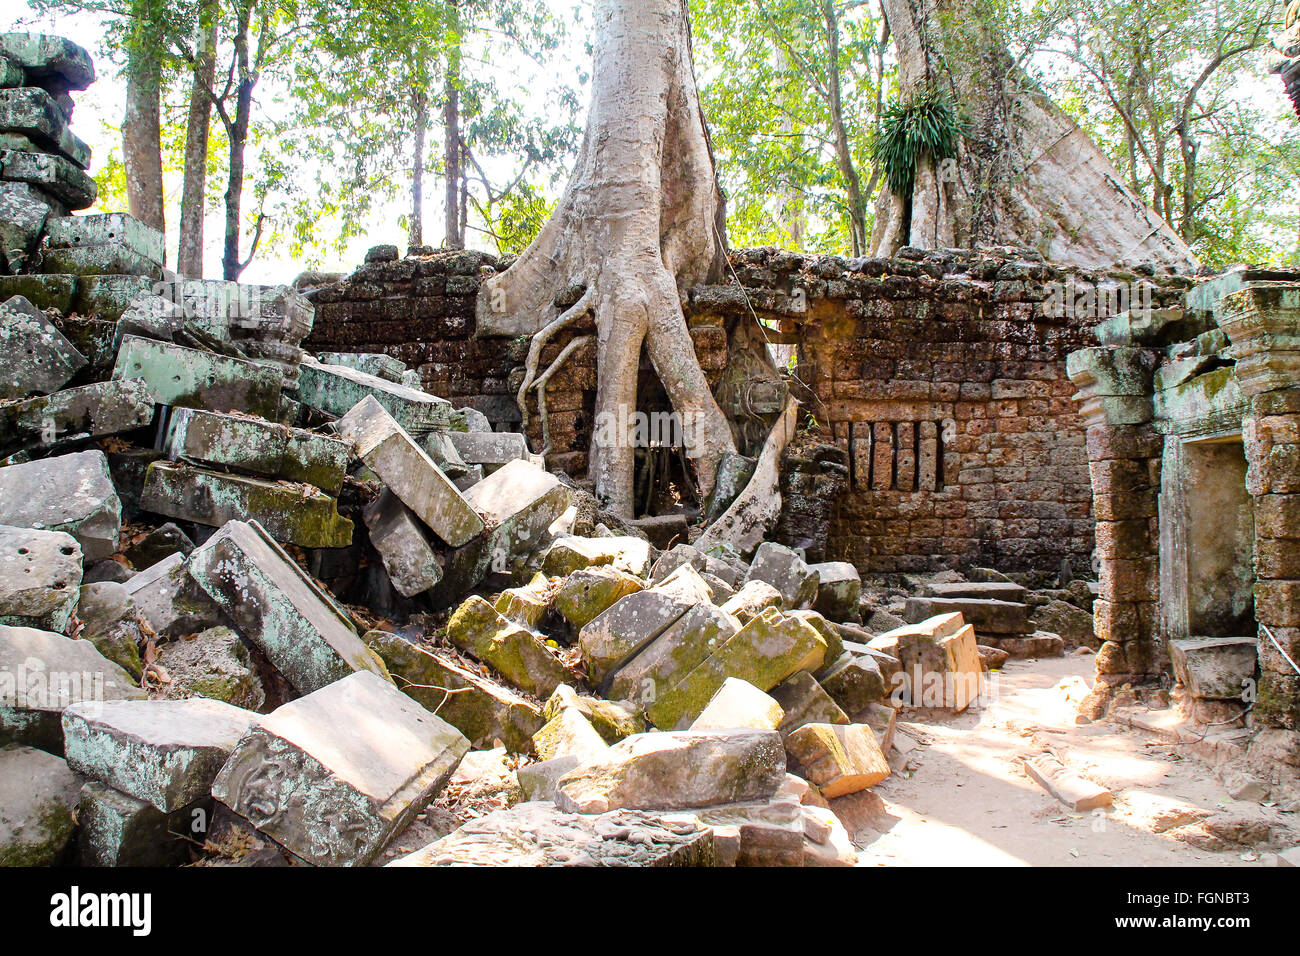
column 940, row 376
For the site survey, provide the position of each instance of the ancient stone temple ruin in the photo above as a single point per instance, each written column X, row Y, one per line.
column 326, row 562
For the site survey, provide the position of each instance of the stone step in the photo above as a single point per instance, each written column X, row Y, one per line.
column 987, row 616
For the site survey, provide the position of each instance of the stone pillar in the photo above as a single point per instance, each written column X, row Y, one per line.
column 1263, row 323
column 1124, row 453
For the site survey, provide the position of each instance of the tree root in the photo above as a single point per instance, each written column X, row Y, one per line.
column 540, row 386
column 539, row 340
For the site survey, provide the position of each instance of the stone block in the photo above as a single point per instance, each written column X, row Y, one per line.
column 75, row 414
column 786, row 571
column 480, row 708
column 34, row 355
column 100, row 229
column 164, row 752
column 336, row 390
column 839, row 588
column 678, row 650
column 570, row 553
column 805, row 701
column 403, row 545
column 751, row 600
column 301, row 515
column 1215, row 668
column 38, row 803
column 54, row 175
column 538, row 834
column 987, row 616
column 409, row 473
column 42, row 674
column 32, row 112
column 764, row 652
column 190, row 378
column 214, row 664
column 171, row 601
column 117, row 830
column 489, row 448
column 518, row 503
column 23, row 212
column 372, row 363
column 612, row 719
column 854, row 682
column 738, row 705
column 980, row 590
column 674, row 771
column 70, row 493
column 258, row 447
column 53, row 63
column 569, row 734
column 279, row 608
column 40, row 578
column 510, row 650
column 334, row 775
column 838, row 759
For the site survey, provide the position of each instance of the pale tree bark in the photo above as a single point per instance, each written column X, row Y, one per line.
column 452, row 159
column 141, row 127
column 642, row 220
column 189, row 257
column 1026, row 173
column 416, row 233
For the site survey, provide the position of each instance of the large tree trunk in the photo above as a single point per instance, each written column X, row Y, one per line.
column 416, row 232
column 1026, row 173
column 141, row 133
column 237, row 136
column 189, row 257
column 640, row 223
column 455, row 238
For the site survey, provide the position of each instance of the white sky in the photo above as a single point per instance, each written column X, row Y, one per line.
column 98, row 117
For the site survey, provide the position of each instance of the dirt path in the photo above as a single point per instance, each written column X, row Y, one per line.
column 964, row 799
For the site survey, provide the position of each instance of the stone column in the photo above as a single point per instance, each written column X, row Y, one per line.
column 1124, row 453
column 1263, row 323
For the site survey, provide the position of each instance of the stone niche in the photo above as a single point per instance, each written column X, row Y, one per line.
column 1193, row 419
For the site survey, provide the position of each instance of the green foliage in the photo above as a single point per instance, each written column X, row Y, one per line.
column 926, row 126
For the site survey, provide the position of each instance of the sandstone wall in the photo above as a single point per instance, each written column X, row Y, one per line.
column 941, row 375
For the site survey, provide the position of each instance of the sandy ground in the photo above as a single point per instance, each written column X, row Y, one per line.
column 962, row 798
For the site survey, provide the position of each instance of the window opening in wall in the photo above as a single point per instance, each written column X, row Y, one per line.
column 906, row 456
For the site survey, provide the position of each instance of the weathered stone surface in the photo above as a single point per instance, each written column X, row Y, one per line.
column 483, row 710
column 164, row 752
column 612, row 719
column 941, row 665
column 336, row 390
column 751, row 600
column 1076, row 792
column 987, row 616
column 518, row 502
column 300, row 515
column 171, row 601
column 91, row 411
column 333, row 775
column 409, row 473
column 540, row 780
column 190, row 378
column 69, row 493
column 114, row 829
column 590, row 592
column 32, row 112
column 38, row 801
column 538, row 834
column 372, row 363
column 805, row 701
column 674, row 771
column 23, row 212
column 489, row 448
column 569, row 734
column 53, row 63
column 838, row 759
column 515, row 653
column 786, row 571
column 1075, row 625
column 978, row 590
column 1215, row 668
column 279, row 608
column 854, row 681
column 681, row 647
column 109, row 620
column 52, row 174
column 739, row 704
column 40, row 574
column 42, row 674
column 839, row 588
column 572, row 553
column 214, row 664
column 258, row 447
column 102, row 259
column 526, row 605
column 403, row 545
column 764, row 652
column 79, row 232
column 34, row 355
column 614, row 637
